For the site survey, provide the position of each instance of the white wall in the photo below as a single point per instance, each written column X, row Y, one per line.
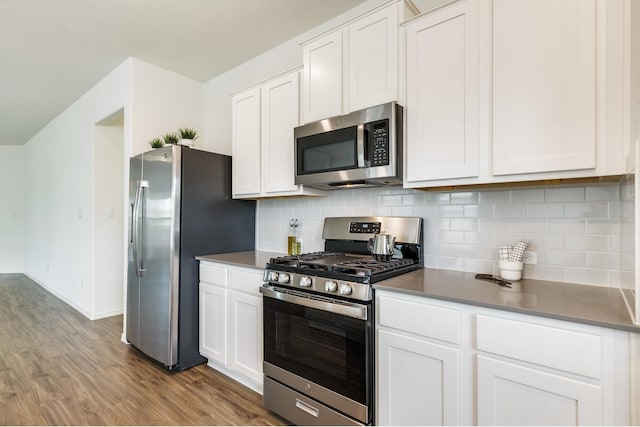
column 60, row 174
column 575, row 230
column 11, row 209
column 163, row 101
column 59, row 192
column 217, row 92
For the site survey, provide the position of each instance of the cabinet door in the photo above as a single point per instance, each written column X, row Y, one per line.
column 372, row 59
column 442, row 94
column 246, row 142
column 417, row 381
column 544, row 85
column 280, row 106
column 510, row 394
column 246, row 335
column 322, row 78
column 213, row 322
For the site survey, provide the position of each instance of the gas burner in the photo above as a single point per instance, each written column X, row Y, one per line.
column 370, row 267
column 302, row 259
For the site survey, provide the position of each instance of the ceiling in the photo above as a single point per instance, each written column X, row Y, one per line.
column 53, row 51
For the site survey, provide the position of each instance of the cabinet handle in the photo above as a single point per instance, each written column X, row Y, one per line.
column 314, row 412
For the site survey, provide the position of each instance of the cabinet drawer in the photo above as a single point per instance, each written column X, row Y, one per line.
column 419, row 318
column 213, row 274
column 566, row 350
column 246, row 281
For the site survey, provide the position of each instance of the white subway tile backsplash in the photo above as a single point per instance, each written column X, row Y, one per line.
column 606, row 227
column 451, row 236
column 565, row 226
column 518, row 210
column 587, row 210
column 464, row 224
column 603, row 192
column 528, row 225
column 545, row 210
column 587, row 276
column 565, row 194
column 451, row 211
column 495, row 196
column 545, row 241
column 527, row 195
column 565, row 258
column 602, row 260
column 464, row 198
column 478, row 238
column 586, row 243
column 574, row 229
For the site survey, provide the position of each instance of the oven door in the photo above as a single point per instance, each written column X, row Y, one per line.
column 321, row 347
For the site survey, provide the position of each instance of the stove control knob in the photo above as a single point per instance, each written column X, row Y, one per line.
column 272, row 276
column 283, row 278
column 330, row 286
column 305, row 281
column 345, row 289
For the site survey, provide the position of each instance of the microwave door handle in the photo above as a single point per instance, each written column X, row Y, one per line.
column 360, row 145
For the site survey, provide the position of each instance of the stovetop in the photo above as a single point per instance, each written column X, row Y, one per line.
column 348, row 266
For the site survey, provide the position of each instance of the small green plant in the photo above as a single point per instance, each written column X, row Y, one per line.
column 156, row 143
column 187, row 133
column 170, row 138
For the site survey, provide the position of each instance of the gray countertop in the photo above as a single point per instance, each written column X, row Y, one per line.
column 593, row 305
column 250, row 259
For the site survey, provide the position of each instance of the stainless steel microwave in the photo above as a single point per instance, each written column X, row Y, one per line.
column 360, row 149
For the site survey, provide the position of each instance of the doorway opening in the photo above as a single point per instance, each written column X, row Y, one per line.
column 109, row 286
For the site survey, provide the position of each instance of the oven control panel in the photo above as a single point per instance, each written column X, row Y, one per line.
column 353, row 290
column 365, row 227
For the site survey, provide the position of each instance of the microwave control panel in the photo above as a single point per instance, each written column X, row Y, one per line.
column 378, row 142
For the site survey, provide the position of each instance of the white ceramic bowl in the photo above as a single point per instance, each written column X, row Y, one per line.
column 510, row 270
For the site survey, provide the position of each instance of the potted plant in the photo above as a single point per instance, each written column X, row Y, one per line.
column 156, row 143
column 187, row 136
column 170, row 138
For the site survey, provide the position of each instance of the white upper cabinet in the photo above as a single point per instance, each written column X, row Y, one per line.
column 516, row 90
column 280, row 102
column 322, row 78
column 263, row 145
column 442, row 94
column 372, row 59
column 245, row 112
column 354, row 66
column 544, row 85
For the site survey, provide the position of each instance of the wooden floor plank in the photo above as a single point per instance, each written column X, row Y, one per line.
column 59, row 368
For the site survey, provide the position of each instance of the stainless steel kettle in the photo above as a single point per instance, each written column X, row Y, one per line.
column 381, row 246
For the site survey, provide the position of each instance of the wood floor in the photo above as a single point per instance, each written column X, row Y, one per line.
column 58, row 368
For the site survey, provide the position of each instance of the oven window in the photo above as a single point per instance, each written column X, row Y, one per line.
column 329, row 151
column 325, row 348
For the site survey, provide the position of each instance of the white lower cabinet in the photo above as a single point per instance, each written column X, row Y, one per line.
column 418, row 381
column 246, row 335
column 512, row 394
column 445, row 363
column 231, row 321
column 213, row 322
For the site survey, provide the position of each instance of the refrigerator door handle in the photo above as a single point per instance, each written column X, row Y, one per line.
column 137, row 231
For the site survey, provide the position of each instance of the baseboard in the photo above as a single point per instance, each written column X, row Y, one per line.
column 237, row 377
column 108, row 314
column 62, row 298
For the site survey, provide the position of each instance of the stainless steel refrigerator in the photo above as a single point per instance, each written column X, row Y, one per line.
column 180, row 207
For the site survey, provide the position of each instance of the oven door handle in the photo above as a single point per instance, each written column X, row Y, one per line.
column 357, row 311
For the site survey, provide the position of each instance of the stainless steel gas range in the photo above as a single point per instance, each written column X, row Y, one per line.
column 319, row 324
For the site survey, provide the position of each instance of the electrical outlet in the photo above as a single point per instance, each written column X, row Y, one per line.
column 530, row 257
